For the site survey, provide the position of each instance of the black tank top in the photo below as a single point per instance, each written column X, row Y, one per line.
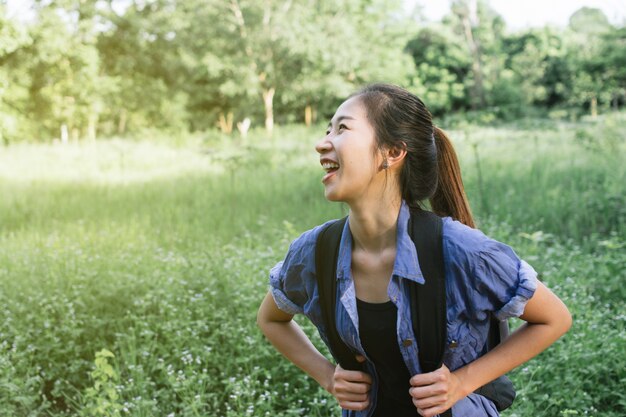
column 377, row 330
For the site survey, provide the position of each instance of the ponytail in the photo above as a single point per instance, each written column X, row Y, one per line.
column 449, row 198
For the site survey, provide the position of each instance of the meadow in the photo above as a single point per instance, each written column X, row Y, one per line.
column 130, row 271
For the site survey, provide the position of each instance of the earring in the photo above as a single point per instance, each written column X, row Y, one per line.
column 385, row 164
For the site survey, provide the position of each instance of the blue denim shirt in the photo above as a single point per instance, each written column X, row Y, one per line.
column 482, row 276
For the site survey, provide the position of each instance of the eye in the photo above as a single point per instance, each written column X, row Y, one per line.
column 342, row 126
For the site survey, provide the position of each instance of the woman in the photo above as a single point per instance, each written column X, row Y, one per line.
column 382, row 155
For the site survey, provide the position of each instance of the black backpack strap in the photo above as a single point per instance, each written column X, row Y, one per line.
column 326, row 254
column 428, row 308
column 428, row 301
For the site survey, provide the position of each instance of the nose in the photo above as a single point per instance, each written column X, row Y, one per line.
column 323, row 145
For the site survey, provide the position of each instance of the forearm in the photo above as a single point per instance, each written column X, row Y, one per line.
column 524, row 344
column 290, row 340
column 547, row 319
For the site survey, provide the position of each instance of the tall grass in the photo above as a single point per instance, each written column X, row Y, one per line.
column 159, row 254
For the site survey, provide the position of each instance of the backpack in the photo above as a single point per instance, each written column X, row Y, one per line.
column 428, row 302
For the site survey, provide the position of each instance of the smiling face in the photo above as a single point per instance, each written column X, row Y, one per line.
column 348, row 154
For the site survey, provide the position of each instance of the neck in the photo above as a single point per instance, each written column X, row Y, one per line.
column 373, row 223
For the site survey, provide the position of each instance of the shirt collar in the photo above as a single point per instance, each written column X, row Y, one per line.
column 405, row 264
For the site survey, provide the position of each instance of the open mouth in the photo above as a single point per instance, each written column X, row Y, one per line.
column 330, row 167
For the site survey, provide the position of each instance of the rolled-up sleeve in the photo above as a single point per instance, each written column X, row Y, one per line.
column 503, row 279
column 527, row 284
column 292, row 281
column 493, row 279
column 283, row 290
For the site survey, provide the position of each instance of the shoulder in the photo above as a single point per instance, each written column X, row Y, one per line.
column 304, row 245
column 460, row 240
column 292, row 280
column 301, row 254
column 464, row 240
column 477, row 258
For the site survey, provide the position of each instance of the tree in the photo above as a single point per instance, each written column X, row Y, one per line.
column 349, row 43
column 253, row 44
column 588, row 20
column 140, row 53
column 538, row 61
column 482, row 29
column 442, row 64
column 299, row 53
column 613, row 53
column 14, row 79
column 587, row 27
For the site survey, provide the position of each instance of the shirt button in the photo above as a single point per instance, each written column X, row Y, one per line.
column 407, row 342
column 453, row 344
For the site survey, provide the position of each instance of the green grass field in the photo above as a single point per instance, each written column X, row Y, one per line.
column 130, row 273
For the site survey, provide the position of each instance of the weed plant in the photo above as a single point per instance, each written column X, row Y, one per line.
column 130, row 272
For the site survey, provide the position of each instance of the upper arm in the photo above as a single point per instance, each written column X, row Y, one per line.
column 544, row 307
column 269, row 311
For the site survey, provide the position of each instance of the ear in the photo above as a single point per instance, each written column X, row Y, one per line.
column 394, row 156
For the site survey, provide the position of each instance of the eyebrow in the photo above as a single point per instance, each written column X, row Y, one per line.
column 340, row 118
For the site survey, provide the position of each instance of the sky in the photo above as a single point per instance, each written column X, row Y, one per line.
column 520, row 14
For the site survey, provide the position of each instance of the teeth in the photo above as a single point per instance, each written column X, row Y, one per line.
column 330, row 165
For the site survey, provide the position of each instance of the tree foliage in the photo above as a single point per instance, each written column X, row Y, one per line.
column 79, row 69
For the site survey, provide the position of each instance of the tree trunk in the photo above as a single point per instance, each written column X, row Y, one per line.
column 594, row 107
column 64, row 133
column 308, row 115
column 268, row 101
column 91, row 126
column 469, row 19
column 243, row 127
column 226, row 122
column 121, row 125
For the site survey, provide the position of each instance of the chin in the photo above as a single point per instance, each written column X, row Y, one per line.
column 331, row 196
